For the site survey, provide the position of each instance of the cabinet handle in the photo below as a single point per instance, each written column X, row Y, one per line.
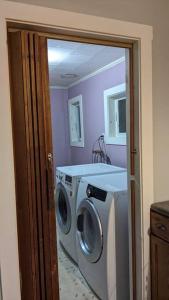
column 161, row 227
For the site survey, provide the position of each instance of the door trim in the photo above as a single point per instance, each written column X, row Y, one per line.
column 131, row 146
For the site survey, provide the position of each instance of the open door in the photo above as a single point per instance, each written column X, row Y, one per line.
column 33, row 165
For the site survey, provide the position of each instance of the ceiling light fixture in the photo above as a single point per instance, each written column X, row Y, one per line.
column 55, row 56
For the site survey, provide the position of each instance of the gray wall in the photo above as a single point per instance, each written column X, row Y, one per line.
column 155, row 13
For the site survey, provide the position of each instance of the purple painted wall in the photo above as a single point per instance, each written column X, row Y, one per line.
column 92, row 91
column 60, row 127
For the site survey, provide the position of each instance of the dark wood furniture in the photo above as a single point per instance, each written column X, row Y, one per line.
column 160, row 250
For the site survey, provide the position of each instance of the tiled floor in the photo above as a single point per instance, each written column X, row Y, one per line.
column 71, row 282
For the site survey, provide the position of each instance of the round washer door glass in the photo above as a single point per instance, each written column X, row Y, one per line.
column 63, row 210
column 89, row 231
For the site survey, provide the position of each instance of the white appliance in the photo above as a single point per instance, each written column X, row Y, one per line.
column 102, row 235
column 67, row 183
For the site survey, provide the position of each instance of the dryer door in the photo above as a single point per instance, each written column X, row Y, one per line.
column 89, row 231
column 63, row 210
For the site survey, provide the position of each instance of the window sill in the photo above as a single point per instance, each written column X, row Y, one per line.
column 115, row 141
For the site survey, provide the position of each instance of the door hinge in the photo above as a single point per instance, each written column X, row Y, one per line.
column 132, row 178
column 134, row 151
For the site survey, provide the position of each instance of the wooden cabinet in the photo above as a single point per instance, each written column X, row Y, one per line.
column 159, row 256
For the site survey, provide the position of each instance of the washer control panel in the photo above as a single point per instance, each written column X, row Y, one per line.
column 59, row 176
column 96, row 193
column 65, row 179
column 68, row 180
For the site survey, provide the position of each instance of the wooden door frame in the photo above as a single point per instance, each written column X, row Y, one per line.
column 121, row 43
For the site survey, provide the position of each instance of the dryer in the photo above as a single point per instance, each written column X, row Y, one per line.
column 67, row 183
column 102, row 235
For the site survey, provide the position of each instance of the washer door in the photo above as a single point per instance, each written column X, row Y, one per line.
column 63, row 210
column 89, row 231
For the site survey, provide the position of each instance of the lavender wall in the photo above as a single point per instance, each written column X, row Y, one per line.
column 60, row 129
column 92, row 91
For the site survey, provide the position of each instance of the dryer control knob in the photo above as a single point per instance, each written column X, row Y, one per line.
column 90, row 191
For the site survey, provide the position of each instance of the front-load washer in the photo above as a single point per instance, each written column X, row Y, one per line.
column 67, row 183
column 102, row 235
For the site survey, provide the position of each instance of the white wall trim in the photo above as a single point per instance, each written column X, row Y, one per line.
column 58, row 87
column 32, row 14
column 96, row 27
column 115, row 89
column 106, row 67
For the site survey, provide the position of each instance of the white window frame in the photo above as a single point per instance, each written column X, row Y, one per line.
column 71, row 103
column 118, row 138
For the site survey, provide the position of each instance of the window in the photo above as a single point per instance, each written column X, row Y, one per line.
column 115, row 115
column 76, row 121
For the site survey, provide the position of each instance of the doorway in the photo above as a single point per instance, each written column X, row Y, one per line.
column 41, row 150
column 88, row 111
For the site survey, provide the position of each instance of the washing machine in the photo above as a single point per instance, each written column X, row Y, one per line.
column 67, row 183
column 102, row 235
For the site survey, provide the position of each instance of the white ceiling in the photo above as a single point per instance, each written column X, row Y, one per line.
column 79, row 59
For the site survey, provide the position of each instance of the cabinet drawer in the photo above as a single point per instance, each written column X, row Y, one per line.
column 159, row 268
column 160, row 225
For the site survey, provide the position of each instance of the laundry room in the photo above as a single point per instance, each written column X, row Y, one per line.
column 89, row 117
